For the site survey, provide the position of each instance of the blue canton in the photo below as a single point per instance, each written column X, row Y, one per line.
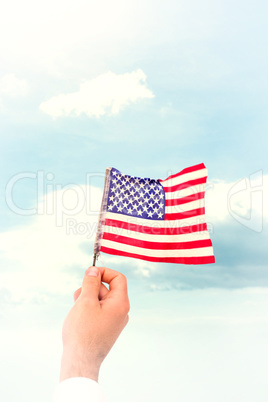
column 135, row 196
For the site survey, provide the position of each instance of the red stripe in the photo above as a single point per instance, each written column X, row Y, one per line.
column 176, row 260
column 189, row 183
column 156, row 230
column 186, row 170
column 158, row 245
column 186, row 214
column 184, row 200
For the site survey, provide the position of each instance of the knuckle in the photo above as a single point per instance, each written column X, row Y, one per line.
column 123, row 278
column 124, row 308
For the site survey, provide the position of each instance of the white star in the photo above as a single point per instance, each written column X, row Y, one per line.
column 146, row 199
column 147, row 181
column 116, row 202
column 128, row 186
column 155, row 210
column 141, row 202
column 111, row 198
column 150, row 214
column 157, row 190
column 132, row 192
column 161, row 195
column 161, row 205
column 160, row 214
column 147, row 190
column 139, row 212
column 127, row 178
column 114, row 181
column 118, row 185
column 135, row 206
column 120, row 198
column 125, row 204
column 136, row 197
column 142, row 185
column 113, row 189
column 110, row 207
column 119, row 208
column 137, row 180
column 151, row 204
column 129, row 210
column 145, row 208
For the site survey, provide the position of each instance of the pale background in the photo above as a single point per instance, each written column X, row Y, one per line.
column 148, row 87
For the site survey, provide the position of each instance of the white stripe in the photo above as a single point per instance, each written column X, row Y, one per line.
column 189, row 206
column 196, row 220
column 198, row 174
column 193, row 252
column 186, row 191
column 204, row 235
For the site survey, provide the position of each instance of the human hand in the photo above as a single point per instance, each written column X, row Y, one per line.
column 94, row 322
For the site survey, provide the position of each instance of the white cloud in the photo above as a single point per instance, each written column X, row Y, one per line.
column 106, row 94
column 12, row 87
column 38, row 253
column 242, row 200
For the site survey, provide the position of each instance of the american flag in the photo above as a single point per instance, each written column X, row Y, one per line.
column 155, row 220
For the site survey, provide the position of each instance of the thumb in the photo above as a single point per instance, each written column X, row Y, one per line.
column 91, row 284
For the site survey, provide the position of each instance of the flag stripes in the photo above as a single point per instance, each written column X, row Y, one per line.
column 180, row 236
column 161, row 237
column 175, row 260
column 172, row 230
column 185, row 200
column 154, row 245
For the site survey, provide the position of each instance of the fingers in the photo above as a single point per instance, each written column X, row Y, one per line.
column 117, row 286
column 102, row 293
column 91, row 284
column 116, row 280
column 93, row 289
column 77, row 294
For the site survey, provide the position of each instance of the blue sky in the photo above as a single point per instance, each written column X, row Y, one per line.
column 150, row 88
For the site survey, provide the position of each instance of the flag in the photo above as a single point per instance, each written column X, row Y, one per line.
column 155, row 220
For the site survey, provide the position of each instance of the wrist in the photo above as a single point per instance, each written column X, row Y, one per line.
column 77, row 366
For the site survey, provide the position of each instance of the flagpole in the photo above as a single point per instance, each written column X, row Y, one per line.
column 102, row 214
column 94, row 260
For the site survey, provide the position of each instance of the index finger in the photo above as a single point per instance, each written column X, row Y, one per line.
column 117, row 282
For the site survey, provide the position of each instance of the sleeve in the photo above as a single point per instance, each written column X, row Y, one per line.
column 79, row 389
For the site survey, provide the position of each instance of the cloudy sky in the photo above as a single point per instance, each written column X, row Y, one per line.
column 148, row 87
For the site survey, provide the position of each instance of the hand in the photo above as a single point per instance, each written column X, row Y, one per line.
column 94, row 323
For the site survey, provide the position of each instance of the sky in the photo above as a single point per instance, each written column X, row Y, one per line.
column 149, row 88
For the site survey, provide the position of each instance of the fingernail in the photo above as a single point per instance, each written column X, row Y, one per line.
column 92, row 271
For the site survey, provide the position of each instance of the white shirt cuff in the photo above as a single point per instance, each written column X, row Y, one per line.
column 79, row 389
